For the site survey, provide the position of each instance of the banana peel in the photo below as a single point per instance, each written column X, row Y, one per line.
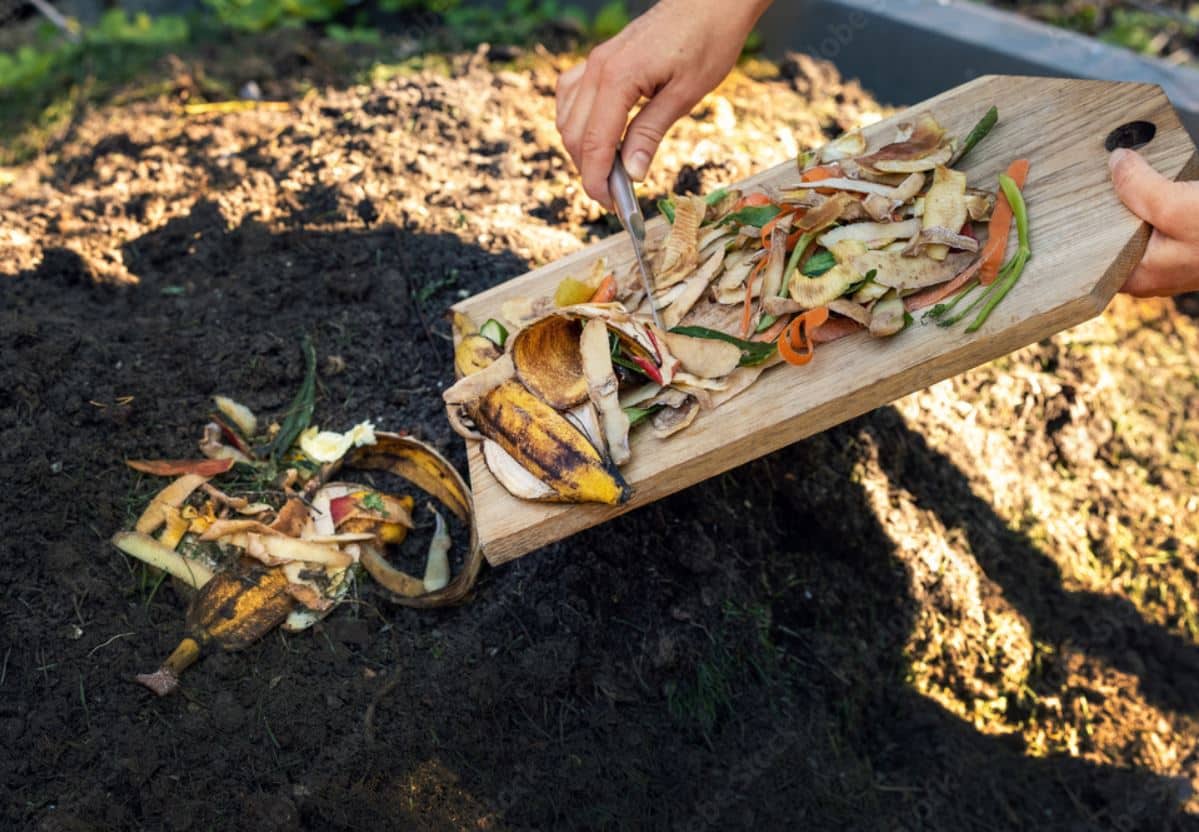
column 474, row 353
column 232, row 610
column 547, row 445
column 549, row 362
column 429, row 471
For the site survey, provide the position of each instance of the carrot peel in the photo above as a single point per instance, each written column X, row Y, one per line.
column 606, row 291
column 795, row 343
column 747, row 313
column 178, row 467
column 997, row 232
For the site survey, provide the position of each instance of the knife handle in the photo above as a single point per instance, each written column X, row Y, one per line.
column 625, row 199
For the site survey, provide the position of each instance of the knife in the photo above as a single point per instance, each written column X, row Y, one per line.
column 625, row 199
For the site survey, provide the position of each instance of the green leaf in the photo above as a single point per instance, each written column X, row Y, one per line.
column 629, row 365
column 299, row 415
column 755, row 215
column 867, row 278
column 818, row 263
column 494, row 331
column 666, row 206
column 980, row 131
column 374, row 502
column 752, row 352
column 716, row 196
column 766, row 323
column 637, row 415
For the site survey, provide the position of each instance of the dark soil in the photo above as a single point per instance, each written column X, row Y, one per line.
column 970, row 610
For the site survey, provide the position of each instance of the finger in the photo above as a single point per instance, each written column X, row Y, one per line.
column 1167, row 269
column 568, row 88
column 649, row 127
column 1162, row 203
column 580, row 113
column 609, row 116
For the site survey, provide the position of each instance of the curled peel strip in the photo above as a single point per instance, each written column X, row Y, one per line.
column 428, row 470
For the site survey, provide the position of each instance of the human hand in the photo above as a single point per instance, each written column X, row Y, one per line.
column 673, row 55
column 1171, row 262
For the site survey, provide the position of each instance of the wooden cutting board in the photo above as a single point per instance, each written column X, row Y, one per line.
column 1084, row 242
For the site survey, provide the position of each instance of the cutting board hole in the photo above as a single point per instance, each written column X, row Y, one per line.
column 1132, row 135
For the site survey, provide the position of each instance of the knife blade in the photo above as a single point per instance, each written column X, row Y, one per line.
column 625, row 199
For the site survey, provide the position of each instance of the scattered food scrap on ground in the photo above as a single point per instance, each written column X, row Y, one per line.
column 267, row 538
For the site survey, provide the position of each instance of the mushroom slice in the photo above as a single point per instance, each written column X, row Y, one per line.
column 670, row 420
column 939, row 157
column 604, row 390
column 914, row 141
column 704, row 357
column 547, row 361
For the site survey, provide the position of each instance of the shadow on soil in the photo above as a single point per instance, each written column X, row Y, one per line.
column 731, row 657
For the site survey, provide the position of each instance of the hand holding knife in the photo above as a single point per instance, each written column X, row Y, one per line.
column 625, row 199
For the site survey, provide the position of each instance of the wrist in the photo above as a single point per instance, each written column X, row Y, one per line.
column 738, row 17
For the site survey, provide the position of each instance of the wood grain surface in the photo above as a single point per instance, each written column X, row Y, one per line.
column 1084, row 242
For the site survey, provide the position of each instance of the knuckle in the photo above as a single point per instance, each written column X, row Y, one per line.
column 650, row 133
column 593, row 145
column 602, row 53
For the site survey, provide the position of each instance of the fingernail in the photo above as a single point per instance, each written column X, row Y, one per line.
column 1118, row 156
column 637, row 165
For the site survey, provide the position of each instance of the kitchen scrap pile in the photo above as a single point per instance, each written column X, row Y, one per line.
column 552, row 386
column 279, row 543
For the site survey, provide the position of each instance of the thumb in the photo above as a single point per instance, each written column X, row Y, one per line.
column 647, row 130
column 1146, row 192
